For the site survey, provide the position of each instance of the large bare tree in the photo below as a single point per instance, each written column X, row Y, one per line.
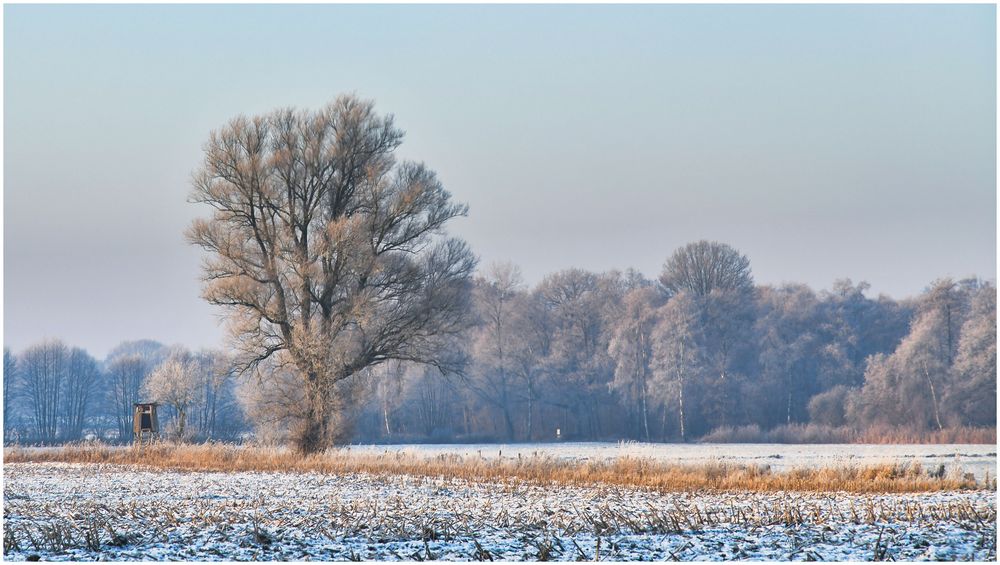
column 329, row 254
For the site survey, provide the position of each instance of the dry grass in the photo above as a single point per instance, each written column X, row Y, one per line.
column 815, row 433
column 967, row 435
column 624, row 471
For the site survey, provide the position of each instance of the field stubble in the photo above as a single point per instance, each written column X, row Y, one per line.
column 172, row 502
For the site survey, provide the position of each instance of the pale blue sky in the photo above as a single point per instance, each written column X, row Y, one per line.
column 822, row 141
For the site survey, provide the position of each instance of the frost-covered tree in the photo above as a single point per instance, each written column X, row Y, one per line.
column 790, row 338
column 907, row 388
column 718, row 278
column 492, row 376
column 328, row 254
column 972, row 398
column 948, row 300
column 631, row 347
column 530, row 354
column 858, row 327
column 578, row 304
column 678, row 364
column 176, row 383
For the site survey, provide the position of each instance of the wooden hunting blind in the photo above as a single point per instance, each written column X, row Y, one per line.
column 144, row 423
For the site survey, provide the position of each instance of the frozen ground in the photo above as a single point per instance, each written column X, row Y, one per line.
column 981, row 460
column 77, row 512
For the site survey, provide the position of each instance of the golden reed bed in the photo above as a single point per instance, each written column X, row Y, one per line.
column 624, row 471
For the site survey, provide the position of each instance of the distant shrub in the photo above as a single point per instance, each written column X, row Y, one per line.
column 810, row 433
column 739, row 434
column 827, row 408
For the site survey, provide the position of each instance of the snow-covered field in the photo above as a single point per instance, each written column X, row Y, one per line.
column 75, row 512
column 981, row 460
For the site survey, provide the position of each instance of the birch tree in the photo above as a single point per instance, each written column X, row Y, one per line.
column 677, row 357
column 717, row 278
column 631, row 347
column 327, row 253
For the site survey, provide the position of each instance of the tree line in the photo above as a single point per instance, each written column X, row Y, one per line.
column 579, row 356
column 54, row 393
column 615, row 355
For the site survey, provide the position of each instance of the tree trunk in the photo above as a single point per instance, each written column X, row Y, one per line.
column 645, row 416
column 788, row 407
column 530, row 406
column 508, row 423
column 680, row 402
column 313, row 436
column 182, row 421
column 934, row 400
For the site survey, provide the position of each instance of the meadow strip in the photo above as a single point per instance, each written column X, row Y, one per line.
column 541, row 469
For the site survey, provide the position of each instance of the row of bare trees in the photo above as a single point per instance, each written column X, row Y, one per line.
column 56, row 393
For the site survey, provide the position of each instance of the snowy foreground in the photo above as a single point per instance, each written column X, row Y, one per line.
column 75, row 512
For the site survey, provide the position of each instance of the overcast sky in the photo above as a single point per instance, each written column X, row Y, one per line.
column 823, row 142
